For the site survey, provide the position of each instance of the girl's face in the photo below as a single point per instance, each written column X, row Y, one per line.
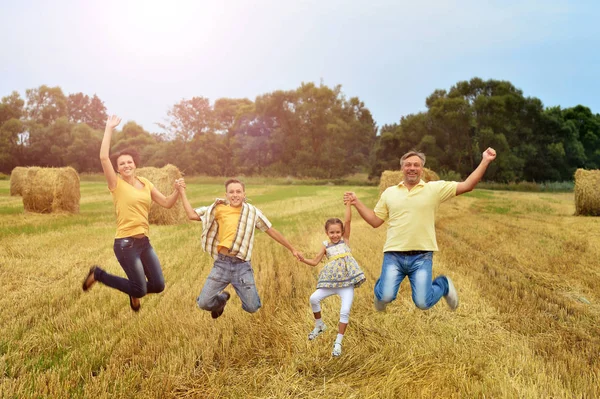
column 334, row 232
column 235, row 194
column 125, row 165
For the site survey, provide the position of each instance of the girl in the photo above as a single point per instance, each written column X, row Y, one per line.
column 339, row 277
column 132, row 197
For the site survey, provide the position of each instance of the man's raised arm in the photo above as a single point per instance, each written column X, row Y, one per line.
column 367, row 214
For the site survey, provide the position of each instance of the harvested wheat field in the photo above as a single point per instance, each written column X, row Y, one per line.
column 528, row 325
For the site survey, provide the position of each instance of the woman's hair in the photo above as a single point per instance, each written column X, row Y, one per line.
column 331, row 221
column 127, row 151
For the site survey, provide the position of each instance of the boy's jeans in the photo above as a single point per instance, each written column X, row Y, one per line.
column 417, row 266
column 228, row 270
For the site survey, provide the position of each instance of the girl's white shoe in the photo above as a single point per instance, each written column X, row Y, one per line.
column 337, row 349
column 316, row 332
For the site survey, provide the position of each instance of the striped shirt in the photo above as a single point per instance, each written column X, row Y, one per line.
column 250, row 218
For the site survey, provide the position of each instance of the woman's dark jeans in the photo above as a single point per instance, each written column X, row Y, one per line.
column 139, row 261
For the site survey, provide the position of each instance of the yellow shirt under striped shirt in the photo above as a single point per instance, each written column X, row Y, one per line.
column 228, row 218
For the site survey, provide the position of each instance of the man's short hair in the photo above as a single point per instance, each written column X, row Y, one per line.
column 230, row 181
column 412, row 153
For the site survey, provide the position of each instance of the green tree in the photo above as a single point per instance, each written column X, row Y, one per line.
column 188, row 119
column 82, row 152
column 48, row 144
column 45, row 105
column 83, row 109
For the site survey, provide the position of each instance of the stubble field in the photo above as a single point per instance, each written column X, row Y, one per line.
column 528, row 325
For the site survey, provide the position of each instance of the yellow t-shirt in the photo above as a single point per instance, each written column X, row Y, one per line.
column 411, row 214
column 228, row 218
column 132, row 206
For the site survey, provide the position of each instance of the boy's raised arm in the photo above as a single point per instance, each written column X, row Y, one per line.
column 191, row 214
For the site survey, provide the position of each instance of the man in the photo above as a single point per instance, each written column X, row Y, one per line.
column 410, row 209
column 228, row 235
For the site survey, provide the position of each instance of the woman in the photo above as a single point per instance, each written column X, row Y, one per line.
column 132, row 197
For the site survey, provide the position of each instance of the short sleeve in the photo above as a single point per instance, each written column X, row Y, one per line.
column 262, row 222
column 445, row 189
column 381, row 209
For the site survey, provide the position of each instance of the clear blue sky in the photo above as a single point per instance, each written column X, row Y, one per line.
column 143, row 56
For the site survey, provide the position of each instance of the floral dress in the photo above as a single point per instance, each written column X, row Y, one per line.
column 341, row 269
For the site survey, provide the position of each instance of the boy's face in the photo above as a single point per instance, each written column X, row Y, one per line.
column 235, row 194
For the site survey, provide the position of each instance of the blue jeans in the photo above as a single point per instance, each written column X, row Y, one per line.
column 228, row 270
column 417, row 266
column 139, row 261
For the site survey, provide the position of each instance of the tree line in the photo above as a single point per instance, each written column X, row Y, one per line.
column 311, row 131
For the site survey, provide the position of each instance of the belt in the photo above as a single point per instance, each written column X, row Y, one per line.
column 231, row 259
column 413, row 253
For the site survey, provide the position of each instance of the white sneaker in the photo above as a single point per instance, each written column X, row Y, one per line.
column 316, row 332
column 379, row 305
column 337, row 349
column 452, row 296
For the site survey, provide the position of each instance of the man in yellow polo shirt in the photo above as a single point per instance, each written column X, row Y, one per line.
column 410, row 208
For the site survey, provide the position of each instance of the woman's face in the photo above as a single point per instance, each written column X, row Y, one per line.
column 125, row 165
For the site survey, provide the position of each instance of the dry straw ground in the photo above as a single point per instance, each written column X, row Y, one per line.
column 528, row 325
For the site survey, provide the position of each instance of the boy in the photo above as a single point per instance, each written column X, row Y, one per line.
column 228, row 235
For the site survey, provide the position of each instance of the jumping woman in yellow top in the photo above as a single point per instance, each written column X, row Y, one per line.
column 132, row 196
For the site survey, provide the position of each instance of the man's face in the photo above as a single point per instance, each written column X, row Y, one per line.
column 235, row 194
column 412, row 168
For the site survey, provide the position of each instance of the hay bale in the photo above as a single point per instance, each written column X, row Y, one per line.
column 587, row 192
column 393, row 177
column 51, row 190
column 17, row 177
column 163, row 179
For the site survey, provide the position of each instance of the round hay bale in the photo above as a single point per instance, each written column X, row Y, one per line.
column 393, row 177
column 587, row 192
column 17, row 176
column 163, row 179
column 51, row 190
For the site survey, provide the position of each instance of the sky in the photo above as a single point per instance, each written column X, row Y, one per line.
column 141, row 57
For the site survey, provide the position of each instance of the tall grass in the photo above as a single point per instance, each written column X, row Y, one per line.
column 528, row 324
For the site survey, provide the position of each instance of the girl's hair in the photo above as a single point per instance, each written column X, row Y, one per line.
column 331, row 221
column 127, row 151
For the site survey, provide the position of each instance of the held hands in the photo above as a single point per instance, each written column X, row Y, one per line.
column 113, row 121
column 489, row 155
column 179, row 185
column 350, row 198
column 298, row 255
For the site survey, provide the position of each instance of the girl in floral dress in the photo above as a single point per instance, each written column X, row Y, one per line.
column 340, row 276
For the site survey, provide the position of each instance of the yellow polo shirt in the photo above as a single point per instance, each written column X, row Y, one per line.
column 411, row 214
column 228, row 218
column 132, row 206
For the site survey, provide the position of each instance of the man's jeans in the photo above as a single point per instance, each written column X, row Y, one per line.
column 139, row 261
column 228, row 270
column 417, row 266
